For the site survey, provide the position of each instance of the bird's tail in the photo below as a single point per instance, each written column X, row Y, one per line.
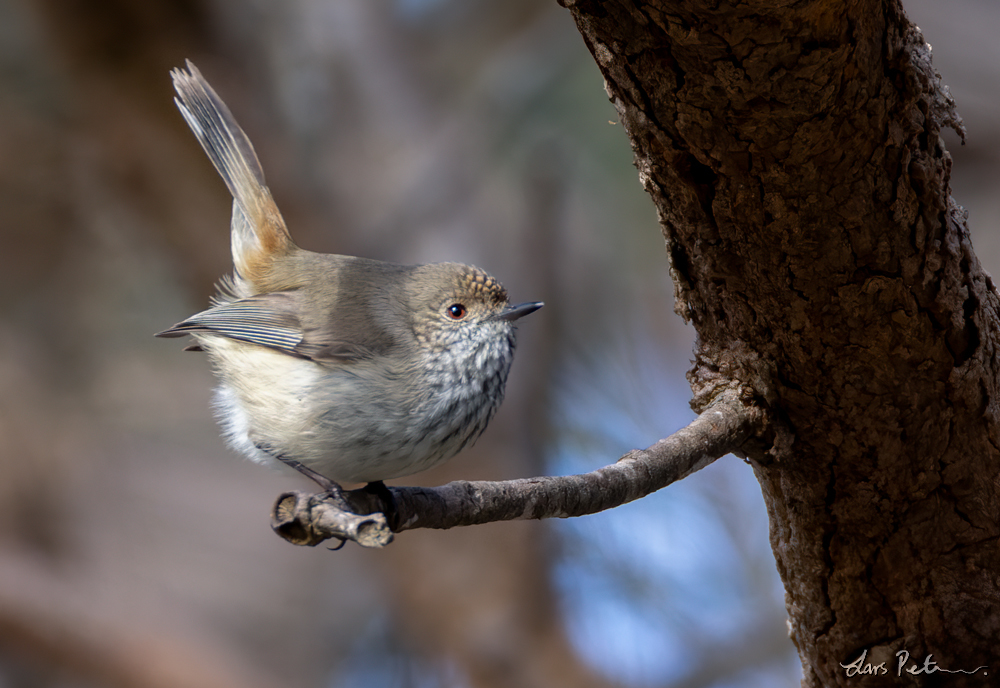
column 259, row 233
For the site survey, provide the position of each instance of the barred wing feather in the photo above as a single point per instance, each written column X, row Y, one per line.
column 256, row 320
column 269, row 320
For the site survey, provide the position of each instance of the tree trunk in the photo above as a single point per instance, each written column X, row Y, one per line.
column 793, row 152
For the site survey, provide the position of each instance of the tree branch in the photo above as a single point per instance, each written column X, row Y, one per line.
column 309, row 519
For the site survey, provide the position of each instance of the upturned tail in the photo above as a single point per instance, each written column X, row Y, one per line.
column 258, row 232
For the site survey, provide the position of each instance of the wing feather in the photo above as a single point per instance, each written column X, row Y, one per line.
column 269, row 320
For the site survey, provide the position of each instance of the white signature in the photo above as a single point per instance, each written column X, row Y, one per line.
column 860, row 667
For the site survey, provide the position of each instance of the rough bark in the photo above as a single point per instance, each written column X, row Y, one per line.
column 793, row 152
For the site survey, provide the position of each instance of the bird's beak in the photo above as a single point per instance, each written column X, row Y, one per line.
column 512, row 313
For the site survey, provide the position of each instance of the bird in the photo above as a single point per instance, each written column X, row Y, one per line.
column 348, row 369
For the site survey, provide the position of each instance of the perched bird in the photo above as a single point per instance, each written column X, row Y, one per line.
column 356, row 369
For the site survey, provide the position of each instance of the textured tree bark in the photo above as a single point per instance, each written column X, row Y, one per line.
column 793, row 152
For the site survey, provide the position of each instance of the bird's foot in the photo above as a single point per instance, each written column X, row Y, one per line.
column 388, row 502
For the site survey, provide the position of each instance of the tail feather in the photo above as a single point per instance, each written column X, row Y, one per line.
column 258, row 230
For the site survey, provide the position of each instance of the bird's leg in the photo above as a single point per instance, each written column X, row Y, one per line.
column 332, row 489
column 328, row 485
column 384, row 495
column 318, row 478
column 377, row 489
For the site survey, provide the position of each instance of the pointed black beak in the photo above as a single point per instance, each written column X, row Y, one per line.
column 512, row 313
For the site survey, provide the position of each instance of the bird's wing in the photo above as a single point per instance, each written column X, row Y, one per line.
column 269, row 320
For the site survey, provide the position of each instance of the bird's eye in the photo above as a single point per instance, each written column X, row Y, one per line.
column 456, row 311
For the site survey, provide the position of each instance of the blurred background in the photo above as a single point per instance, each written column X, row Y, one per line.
column 135, row 549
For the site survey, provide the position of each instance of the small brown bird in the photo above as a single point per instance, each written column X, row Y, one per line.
column 357, row 369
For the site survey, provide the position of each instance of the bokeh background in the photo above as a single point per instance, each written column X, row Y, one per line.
column 135, row 550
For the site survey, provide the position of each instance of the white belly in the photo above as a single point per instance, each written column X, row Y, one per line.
column 351, row 422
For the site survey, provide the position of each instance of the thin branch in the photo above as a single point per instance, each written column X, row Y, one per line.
column 308, row 519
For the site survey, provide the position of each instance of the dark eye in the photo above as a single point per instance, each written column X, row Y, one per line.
column 456, row 311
